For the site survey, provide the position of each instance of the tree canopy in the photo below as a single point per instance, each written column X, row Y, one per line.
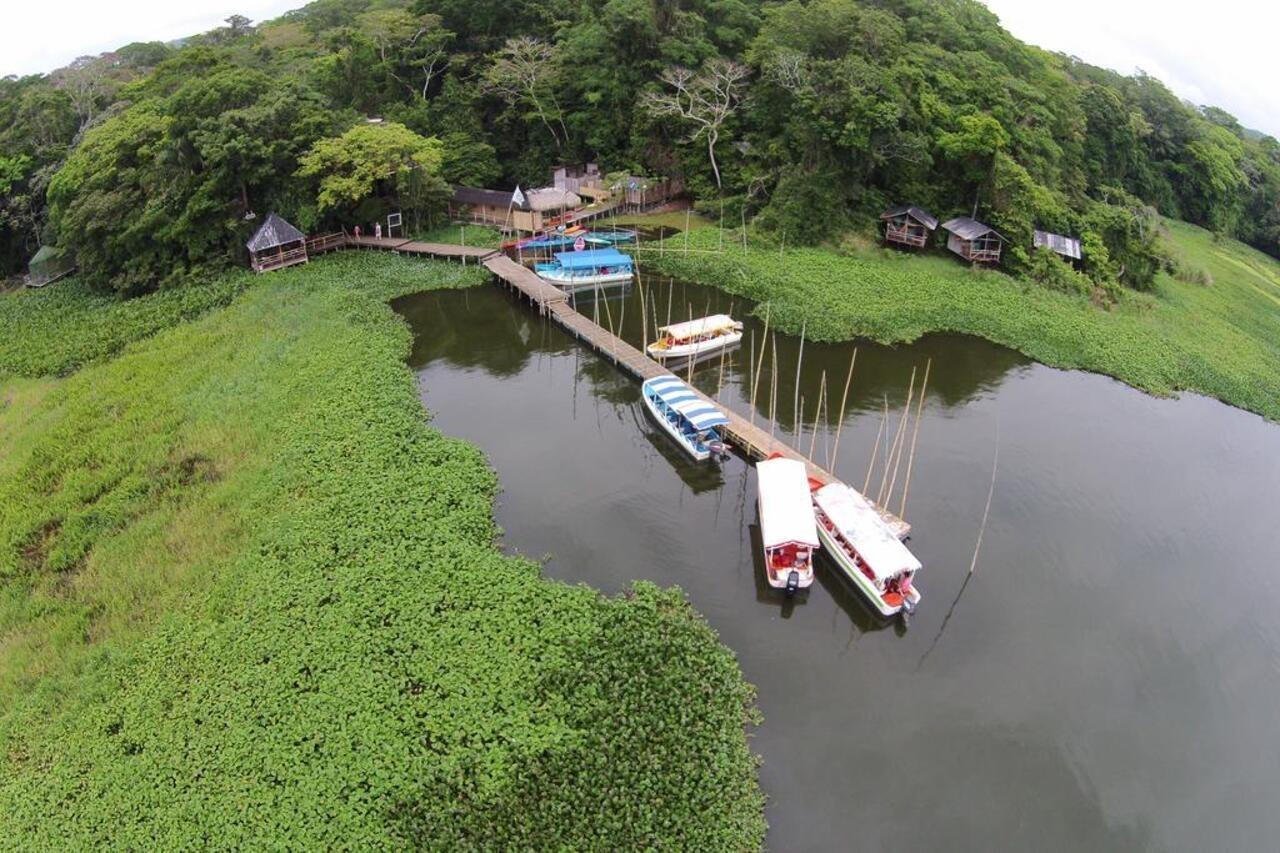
column 831, row 109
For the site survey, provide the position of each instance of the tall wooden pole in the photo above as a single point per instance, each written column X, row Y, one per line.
column 692, row 356
column 875, row 448
column 915, row 434
column 795, row 418
column 720, row 382
column 844, row 398
column 822, row 393
column 897, row 462
column 768, row 308
column 773, row 392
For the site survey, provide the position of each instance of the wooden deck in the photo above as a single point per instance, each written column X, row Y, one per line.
column 752, row 439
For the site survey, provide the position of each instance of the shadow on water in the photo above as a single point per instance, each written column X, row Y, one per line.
column 1089, row 687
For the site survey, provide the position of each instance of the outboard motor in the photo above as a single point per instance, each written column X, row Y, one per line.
column 793, row 582
column 907, row 611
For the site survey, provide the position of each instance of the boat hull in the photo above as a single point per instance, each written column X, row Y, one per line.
column 840, row 557
column 673, row 430
column 696, row 351
column 565, row 282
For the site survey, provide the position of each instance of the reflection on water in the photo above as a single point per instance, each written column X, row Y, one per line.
column 1106, row 680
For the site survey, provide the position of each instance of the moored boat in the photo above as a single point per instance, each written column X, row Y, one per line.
column 695, row 339
column 690, row 420
column 611, row 237
column 866, row 549
column 586, row 269
column 787, row 528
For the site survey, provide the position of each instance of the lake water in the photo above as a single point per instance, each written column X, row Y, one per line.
column 1107, row 678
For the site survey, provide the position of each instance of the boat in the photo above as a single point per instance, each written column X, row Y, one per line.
column 695, row 339
column 787, row 528
column 611, row 237
column 588, row 268
column 866, row 549
column 684, row 416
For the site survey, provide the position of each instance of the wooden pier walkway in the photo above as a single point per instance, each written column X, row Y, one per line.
column 741, row 432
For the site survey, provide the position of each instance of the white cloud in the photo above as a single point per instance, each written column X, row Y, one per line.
column 40, row 36
column 1220, row 54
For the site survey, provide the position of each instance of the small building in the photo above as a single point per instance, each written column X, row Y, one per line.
column 639, row 193
column 275, row 245
column 535, row 211
column 974, row 241
column 48, row 265
column 908, row 225
column 584, row 180
column 1068, row 247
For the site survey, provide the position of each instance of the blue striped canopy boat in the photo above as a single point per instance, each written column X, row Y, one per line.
column 685, row 416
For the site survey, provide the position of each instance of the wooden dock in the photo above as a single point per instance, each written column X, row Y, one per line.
column 751, row 439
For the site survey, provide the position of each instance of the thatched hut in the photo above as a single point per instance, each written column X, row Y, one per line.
column 908, row 225
column 974, row 241
column 275, row 245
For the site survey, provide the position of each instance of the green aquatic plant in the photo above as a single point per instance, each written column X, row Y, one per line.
column 250, row 597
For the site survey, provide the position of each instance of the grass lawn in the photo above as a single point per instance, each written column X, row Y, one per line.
column 250, row 598
column 1222, row 340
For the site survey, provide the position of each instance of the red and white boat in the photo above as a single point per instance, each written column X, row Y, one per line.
column 787, row 527
column 866, row 549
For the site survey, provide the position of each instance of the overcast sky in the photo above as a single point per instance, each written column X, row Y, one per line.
column 1221, row 53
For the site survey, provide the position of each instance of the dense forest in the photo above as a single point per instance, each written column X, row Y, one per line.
column 805, row 118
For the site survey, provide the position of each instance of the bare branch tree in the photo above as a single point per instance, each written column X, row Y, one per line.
column 404, row 39
column 88, row 82
column 705, row 98
column 789, row 69
column 527, row 70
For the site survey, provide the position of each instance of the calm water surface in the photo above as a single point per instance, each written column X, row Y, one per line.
column 1108, row 677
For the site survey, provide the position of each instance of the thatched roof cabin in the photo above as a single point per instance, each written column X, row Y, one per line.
column 908, row 225
column 1068, row 247
column 974, row 241
column 275, row 245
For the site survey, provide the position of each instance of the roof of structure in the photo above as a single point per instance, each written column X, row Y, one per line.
column 680, row 397
column 786, row 508
column 860, row 525
column 273, row 232
column 493, row 198
column 701, row 326
column 967, row 228
column 591, row 258
column 919, row 214
column 1068, row 246
column 550, row 198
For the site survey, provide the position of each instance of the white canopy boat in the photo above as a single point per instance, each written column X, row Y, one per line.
column 684, row 415
column 589, row 268
column 695, row 338
column 787, row 528
column 866, row 549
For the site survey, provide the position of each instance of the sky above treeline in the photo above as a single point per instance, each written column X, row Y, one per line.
column 1222, row 53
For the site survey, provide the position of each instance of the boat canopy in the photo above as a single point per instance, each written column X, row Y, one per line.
column 860, row 524
column 702, row 326
column 592, row 259
column 680, row 397
column 786, row 506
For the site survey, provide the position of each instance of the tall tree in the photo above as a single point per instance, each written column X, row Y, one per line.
column 705, row 99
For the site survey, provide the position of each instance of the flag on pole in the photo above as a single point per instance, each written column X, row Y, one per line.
column 517, row 197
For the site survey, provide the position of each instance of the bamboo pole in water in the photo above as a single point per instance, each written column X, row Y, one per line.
column 773, row 392
column 991, row 490
column 755, row 384
column 795, row 417
column 686, row 230
column 897, row 462
column 644, row 317
column 822, row 393
column 720, row 379
column 670, row 293
column 888, row 459
column 848, row 380
column 875, row 448
column 692, row 356
column 800, row 431
column 915, row 434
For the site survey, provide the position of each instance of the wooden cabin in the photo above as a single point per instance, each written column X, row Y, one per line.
column 972, row 240
column 275, row 245
column 584, row 180
column 537, row 210
column 1068, row 247
column 908, row 225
